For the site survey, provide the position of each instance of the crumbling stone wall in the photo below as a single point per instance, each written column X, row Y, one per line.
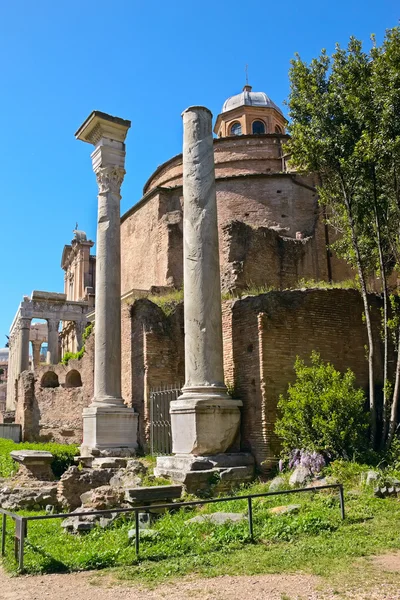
column 270, row 330
column 55, row 413
column 152, row 356
column 262, row 336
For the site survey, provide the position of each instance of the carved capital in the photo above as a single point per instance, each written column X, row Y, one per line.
column 109, row 179
column 24, row 323
column 52, row 325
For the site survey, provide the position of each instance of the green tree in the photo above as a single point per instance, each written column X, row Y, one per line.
column 323, row 411
column 344, row 128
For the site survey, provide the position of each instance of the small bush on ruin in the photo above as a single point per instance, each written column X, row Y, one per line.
column 323, row 411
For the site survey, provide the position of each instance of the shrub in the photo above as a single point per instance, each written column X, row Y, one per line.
column 323, row 411
column 63, row 456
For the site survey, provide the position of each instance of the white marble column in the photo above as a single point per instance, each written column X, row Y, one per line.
column 109, row 426
column 205, row 419
column 52, row 341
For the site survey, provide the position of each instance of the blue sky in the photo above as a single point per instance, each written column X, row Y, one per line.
column 143, row 61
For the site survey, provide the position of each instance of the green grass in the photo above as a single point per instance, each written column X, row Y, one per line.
column 63, row 456
column 168, row 302
column 347, row 284
column 314, row 540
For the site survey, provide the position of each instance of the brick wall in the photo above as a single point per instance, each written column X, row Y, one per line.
column 262, row 336
column 55, row 414
column 270, row 330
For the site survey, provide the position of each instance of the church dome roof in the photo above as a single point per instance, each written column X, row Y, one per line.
column 249, row 98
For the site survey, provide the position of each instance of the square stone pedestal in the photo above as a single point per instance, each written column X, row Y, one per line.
column 109, row 431
column 204, row 424
column 199, row 474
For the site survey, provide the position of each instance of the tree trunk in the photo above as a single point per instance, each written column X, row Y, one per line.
column 395, row 401
column 372, row 402
column 385, row 408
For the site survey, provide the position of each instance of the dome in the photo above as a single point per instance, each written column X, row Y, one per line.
column 249, row 98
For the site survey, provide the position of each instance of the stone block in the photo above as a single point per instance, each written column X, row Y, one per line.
column 34, row 464
column 218, row 518
column 110, row 462
column 283, row 510
column 204, row 426
column 153, row 494
column 218, row 473
column 109, row 431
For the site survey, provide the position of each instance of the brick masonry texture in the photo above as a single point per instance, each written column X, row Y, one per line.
column 262, row 336
column 252, row 190
column 55, row 414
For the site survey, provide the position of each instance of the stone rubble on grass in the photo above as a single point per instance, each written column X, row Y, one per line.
column 277, row 484
column 283, row 510
column 33, row 486
column 218, row 518
column 84, row 523
column 387, row 491
column 369, row 477
column 103, row 498
column 34, row 497
column 144, row 534
column 300, row 476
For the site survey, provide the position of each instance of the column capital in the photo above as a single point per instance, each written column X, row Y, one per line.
column 53, row 324
column 24, row 323
column 109, row 179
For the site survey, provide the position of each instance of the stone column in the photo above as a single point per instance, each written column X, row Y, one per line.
column 52, row 341
column 36, row 347
column 12, row 363
column 24, row 326
column 205, row 419
column 109, row 426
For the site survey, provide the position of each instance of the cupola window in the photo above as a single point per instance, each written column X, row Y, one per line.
column 258, row 127
column 236, row 128
column 278, row 129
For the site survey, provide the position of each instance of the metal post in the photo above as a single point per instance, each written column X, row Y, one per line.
column 137, row 532
column 341, row 500
column 250, row 510
column 21, row 545
column 3, row 535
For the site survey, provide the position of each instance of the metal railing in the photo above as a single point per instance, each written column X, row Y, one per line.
column 21, row 522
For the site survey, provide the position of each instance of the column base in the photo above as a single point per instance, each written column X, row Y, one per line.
column 204, row 421
column 109, row 431
column 207, row 474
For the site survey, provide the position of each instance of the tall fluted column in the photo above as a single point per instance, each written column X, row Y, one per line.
column 107, row 366
column 205, row 419
column 52, row 341
column 109, row 426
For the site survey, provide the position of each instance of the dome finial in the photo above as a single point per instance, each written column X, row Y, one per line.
column 247, row 87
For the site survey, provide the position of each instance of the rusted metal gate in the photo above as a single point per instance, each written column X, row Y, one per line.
column 160, row 419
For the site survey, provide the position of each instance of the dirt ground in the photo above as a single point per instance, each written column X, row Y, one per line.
column 104, row 586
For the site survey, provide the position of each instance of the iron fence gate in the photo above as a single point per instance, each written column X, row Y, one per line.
column 160, row 419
